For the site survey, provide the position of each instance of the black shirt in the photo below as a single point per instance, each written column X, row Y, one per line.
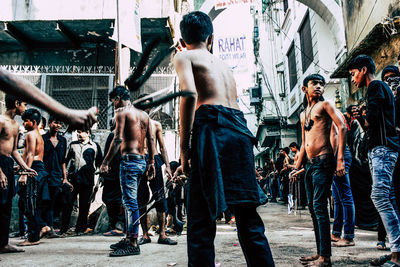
column 113, row 167
column 53, row 158
column 381, row 116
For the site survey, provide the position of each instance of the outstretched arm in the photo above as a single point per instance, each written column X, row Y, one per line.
column 14, row 85
column 183, row 67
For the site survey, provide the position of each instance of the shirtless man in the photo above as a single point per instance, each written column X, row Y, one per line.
column 221, row 152
column 316, row 123
column 156, row 186
column 132, row 128
column 33, row 186
column 9, row 129
column 76, row 119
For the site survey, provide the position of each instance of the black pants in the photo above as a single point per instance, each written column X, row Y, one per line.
column 48, row 212
column 116, row 214
column 29, row 193
column 84, row 192
column 5, row 217
column 201, row 231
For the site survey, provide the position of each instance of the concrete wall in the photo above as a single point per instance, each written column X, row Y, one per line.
column 358, row 15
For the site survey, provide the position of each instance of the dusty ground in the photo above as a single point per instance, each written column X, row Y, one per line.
column 290, row 237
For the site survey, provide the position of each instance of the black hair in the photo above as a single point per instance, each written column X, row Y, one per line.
column 349, row 109
column 32, row 114
column 313, row 77
column 362, row 61
column 44, row 122
column 120, row 91
column 52, row 118
column 174, row 165
column 390, row 68
column 144, row 95
column 195, row 27
column 10, row 101
column 294, row 144
column 398, row 58
column 286, row 149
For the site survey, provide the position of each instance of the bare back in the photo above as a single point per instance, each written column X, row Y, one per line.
column 8, row 135
column 134, row 130
column 33, row 144
column 214, row 81
column 317, row 139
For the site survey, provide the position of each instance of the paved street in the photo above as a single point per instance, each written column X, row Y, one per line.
column 290, row 237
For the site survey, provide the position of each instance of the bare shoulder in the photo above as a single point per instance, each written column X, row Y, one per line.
column 328, row 104
column 156, row 124
column 302, row 115
column 182, row 57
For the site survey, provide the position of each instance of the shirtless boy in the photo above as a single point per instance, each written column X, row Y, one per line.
column 8, row 148
column 316, row 123
column 132, row 128
column 156, row 186
column 221, row 152
column 33, row 157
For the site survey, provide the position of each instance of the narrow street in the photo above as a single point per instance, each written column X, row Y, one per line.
column 290, row 237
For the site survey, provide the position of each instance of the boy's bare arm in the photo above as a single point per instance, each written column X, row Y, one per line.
column 116, row 142
column 341, row 127
column 14, row 85
column 302, row 152
column 163, row 149
column 183, row 67
column 334, row 138
column 17, row 157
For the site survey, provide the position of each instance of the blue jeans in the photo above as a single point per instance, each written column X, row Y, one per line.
column 343, row 201
column 381, row 162
column 318, row 181
column 130, row 174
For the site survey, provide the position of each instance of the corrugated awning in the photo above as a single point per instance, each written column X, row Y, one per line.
column 375, row 38
column 37, row 34
column 47, row 34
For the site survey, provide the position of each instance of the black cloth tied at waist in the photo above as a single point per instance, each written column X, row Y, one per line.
column 223, row 160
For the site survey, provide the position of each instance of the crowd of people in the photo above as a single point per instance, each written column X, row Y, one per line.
column 350, row 158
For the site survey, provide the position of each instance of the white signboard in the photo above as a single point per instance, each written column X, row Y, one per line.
column 219, row 4
column 130, row 34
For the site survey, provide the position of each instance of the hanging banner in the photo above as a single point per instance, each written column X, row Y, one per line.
column 129, row 31
column 219, row 4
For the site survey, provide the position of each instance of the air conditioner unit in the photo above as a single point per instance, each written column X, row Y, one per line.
column 255, row 95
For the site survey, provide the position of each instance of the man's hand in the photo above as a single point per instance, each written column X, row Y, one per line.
column 3, row 180
column 340, row 170
column 30, row 172
column 65, row 181
column 185, row 163
column 22, row 180
column 150, row 172
column 168, row 172
column 81, row 119
column 293, row 175
column 103, row 168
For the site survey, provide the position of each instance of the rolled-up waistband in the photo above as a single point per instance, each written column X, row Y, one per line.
column 129, row 157
column 320, row 158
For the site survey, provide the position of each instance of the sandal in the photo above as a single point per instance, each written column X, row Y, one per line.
column 381, row 246
column 113, row 233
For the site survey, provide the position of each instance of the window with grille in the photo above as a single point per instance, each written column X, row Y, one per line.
column 291, row 55
column 307, row 56
column 81, row 92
